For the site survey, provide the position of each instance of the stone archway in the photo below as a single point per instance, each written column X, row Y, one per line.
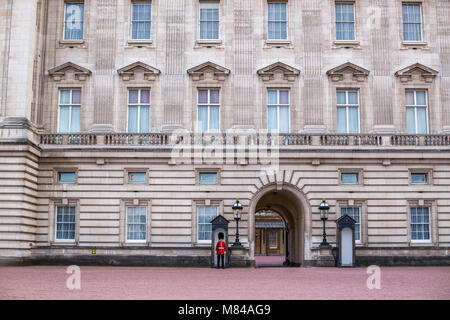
column 290, row 203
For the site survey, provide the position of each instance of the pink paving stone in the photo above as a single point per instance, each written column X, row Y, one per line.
column 262, row 261
column 49, row 282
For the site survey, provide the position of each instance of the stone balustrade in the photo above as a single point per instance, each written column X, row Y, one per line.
column 284, row 140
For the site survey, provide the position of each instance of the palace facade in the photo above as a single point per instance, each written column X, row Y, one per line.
column 127, row 126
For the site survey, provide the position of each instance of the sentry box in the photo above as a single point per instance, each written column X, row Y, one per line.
column 345, row 254
column 219, row 225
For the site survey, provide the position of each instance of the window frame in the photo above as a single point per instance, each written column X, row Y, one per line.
column 336, row 22
column 415, row 106
column 412, row 3
column 415, row 241
column 209, row 105
column 347, row 105
column 140, row 2
column 278, row 105
column 276, row 239
column 198, row 206
column 70, row 105
column 346, row 207
column 217, row 2
column 58, row 175
column 126, row 224
column 285, row 2
column 69, row 205
column 139, row 104
column 73, row 2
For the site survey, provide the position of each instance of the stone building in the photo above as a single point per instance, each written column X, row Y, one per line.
column 126, row 126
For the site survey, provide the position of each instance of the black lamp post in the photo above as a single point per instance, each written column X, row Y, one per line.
column 237, row 209
column 324, row 208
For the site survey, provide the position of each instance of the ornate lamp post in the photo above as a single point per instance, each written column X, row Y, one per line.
column 324, row 208
column 237, row 209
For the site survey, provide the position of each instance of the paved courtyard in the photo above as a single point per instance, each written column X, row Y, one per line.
column 49, row 282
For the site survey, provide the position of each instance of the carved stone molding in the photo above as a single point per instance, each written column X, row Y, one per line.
column 128, row 72
column 59, row 73
column 356, row 73
column 417, row 71
column 285, row 71
column 208, row 71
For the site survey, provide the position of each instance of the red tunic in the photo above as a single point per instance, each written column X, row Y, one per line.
column 221, row 247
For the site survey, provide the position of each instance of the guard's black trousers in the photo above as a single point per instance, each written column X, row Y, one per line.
column 221, row 257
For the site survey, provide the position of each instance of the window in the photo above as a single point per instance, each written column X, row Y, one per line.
column 278, row 111
column 65, row 223
column 136, row 224
column 349, row 178
column 205, row 214
column 207, row 177
column 273, row 239
column 347, row 111
column 345, row 21
column 277, row 21
column 141, row 21
column 416, row 112
column 412, row 22
column 420, row 224
column 73, row 21
column 137, row 177
column 355, row 214
column 208, row 110
column 209, row 21
column 66, row 177
column 138, row 111
column 69, row 110
column 419, row 178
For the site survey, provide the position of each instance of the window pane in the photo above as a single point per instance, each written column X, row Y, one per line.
column 284, row 97
column 144, row 119
column 73, row 26
column 349, row 178
column 353, row 120
column 64, row 114
column 272, row 97
column 208, row 178
column 421, row 99
column 284, row 119
column 202, row 119
column 341, row 120
column 75, row 119
column 340, row 97
column 202, row 96
column 145, row 96
column 353, row 97
column 133, row 119
column 422, row 120
column 67, row 177
column 272, row 119
column 76, row 96
column 133, row 96
column 137, row 177
column 409, row 98
column 419, row 178
column 214, row 96
column 214, row 116
column 64, row 97
column 410, row 121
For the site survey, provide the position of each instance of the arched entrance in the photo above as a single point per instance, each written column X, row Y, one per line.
column 290, row 203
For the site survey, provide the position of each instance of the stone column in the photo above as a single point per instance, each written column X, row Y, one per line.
column 313, row 91
column 175, row 76
column 443, row 24
column 383, row 80
column 18, row 62
column 243, row 79
column 105, row 58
